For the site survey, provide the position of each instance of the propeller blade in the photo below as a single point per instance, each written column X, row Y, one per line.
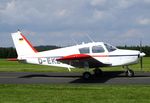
column 141, row 63
column 141, row 46
column 141, row 56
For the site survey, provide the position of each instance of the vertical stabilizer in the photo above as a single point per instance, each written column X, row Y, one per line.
column 23, row 46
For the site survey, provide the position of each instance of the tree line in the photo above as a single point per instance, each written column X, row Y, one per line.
column 10, row 52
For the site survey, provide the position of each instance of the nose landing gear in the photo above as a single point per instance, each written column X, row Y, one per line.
column 129, row 72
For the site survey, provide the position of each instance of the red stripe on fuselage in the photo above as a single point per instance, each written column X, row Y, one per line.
column 29, row 43
column 75, row 57
column 80, row 56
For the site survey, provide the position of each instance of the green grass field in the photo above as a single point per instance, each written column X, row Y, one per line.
column 65, row 93
column 70, row 93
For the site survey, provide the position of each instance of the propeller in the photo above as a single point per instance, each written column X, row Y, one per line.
column 141, row 56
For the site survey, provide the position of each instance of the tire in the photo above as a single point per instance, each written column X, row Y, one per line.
column 129, row 73
column 98, row 72
column 87, row 75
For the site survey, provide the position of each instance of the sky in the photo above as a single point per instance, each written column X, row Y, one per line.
column 70, row 22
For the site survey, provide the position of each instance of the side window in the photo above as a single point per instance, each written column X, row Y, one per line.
column 84, row 50
column 97, row 49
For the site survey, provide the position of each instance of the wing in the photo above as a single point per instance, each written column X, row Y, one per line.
column 79, row 60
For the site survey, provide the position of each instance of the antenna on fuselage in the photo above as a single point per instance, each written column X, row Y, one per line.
column 89, row 38
column 74, row 41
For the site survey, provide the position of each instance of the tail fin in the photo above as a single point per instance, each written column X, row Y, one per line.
column 23, row 46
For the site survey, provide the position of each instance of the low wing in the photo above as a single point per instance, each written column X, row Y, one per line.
column 79, row 60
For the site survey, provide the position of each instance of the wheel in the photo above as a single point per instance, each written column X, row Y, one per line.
column 87, row 75
column 129, row 73
column 98, row 72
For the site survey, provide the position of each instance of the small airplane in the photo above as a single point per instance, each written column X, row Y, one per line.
column 85, row 55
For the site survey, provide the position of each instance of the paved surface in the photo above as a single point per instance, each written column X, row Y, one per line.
column 47, row 78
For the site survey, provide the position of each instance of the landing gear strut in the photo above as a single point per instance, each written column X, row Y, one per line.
column 129, row 72
column 86, row 75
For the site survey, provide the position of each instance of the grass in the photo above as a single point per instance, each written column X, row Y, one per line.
column 13, row 66
column 74, row 93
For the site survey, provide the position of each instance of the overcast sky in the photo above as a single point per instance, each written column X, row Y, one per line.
column 67, row 22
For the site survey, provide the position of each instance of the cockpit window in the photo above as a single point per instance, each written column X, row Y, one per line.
column 110, row 48
column 97, row 49
column 84, row 50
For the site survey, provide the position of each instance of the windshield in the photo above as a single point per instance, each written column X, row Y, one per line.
column 110, row 48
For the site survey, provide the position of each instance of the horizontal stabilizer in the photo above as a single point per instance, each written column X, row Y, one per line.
column 12, row 59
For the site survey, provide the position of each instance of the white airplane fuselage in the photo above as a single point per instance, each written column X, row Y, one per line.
column 117, row 57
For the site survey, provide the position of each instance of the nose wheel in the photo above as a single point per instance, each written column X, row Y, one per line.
column 129, row 72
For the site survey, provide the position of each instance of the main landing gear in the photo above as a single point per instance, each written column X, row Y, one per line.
column 97, row 72
column 87, row 75
column 129, row 72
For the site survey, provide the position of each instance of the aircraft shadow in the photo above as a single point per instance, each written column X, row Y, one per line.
column 107, row 75
column 101, row 79
column 44, row 75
